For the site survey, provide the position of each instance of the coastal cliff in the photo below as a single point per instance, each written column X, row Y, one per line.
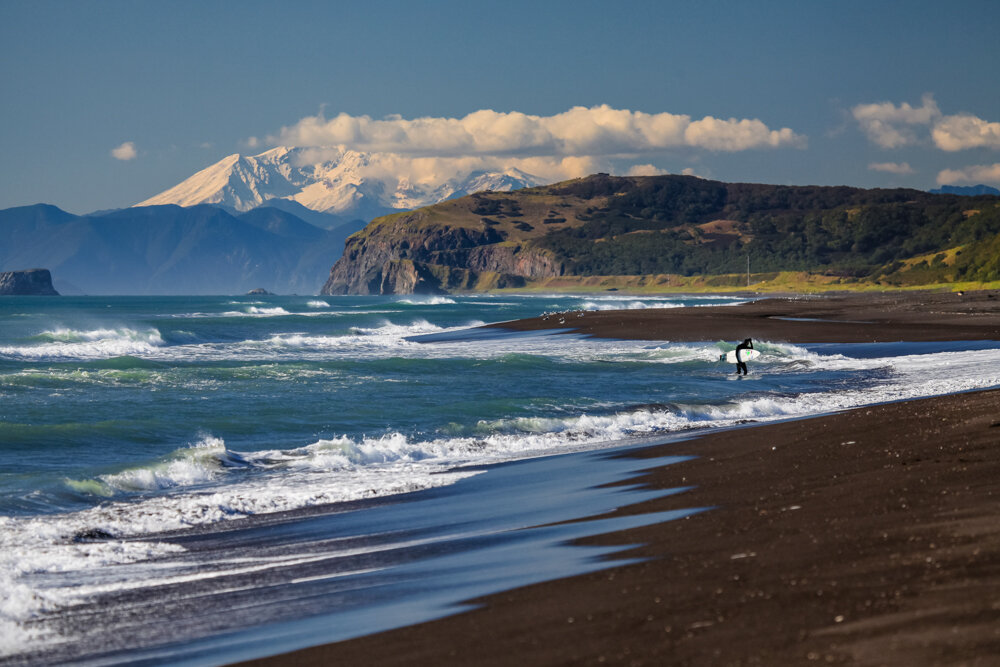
column 32, row 282
column 416, row 252
column 673, row 226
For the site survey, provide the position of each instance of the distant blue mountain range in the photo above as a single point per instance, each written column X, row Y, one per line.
column 967, row 190
column 171, row 250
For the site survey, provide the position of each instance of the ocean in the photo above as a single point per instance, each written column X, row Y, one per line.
column 198, row 480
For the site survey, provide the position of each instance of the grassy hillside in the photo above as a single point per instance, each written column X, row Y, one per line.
column 691, row 228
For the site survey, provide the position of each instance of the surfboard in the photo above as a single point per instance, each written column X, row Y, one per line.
column 745, row 355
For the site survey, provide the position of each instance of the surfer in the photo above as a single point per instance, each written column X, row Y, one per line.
column 740, row 364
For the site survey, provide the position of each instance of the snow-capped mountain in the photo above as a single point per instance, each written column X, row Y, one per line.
column 346, row 183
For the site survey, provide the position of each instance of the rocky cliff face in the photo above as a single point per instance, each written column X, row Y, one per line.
column 408, row 254
column 514, row 260
column 33, row 282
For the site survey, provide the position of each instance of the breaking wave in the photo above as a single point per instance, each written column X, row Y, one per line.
column 628, row 304
column 87, row 344
column 274, row 311
column 208, row 482
column 426, row 301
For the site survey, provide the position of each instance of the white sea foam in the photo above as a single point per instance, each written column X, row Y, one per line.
column 624, row 301
column 387, row 328
column 254, row 312
column 249, row 311
column 43, row 545
column 65, row 343
column 197, row 464
column 628, row 304
column 318, row 304
column 385, row 462
column 208, row 483
column 426, row 301
column 267, row 312
column 388, row 336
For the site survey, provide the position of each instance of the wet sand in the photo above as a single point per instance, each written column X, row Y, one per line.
column 869, row 537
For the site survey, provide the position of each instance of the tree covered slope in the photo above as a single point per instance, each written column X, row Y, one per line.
column 606, row 225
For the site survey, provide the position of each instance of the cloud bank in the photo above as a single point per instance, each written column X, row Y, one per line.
column 125, row 151
column 574, row 143
column 892, row 126
column 594, row 132
column 980, row 173
column 956, row 133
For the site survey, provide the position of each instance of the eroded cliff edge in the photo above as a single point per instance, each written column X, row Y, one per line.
column 420, row 252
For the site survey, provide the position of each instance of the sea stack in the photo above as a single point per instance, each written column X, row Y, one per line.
column 32, row 282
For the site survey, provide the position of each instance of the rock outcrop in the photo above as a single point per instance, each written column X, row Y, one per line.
column 413, row 253
column 32, row 282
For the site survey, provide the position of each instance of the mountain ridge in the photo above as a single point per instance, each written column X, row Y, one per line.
column 967, row 190
column 170, row 249
column 340, row 182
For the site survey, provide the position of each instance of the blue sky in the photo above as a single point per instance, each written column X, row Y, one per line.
column 107, row 103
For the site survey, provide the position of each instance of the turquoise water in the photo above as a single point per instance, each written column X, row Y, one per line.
column 122, row 418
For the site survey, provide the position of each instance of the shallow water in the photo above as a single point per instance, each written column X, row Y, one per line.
column 121, row 418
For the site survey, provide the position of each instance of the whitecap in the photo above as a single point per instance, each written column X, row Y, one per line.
column 267, row 312
column 226, row 485
column 65, row 343
column 628, row 304
column 197, row 464
column 426, row 301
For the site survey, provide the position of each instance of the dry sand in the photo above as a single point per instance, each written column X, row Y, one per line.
column 866, row 537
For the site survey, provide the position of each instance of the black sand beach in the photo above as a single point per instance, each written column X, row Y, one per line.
column 865, row 537
column 840, row 318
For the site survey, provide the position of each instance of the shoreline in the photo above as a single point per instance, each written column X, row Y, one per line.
column 840, row 538
column 868, row 536
column 841, row 318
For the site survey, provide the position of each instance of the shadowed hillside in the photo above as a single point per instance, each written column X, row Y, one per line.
column 170, row 249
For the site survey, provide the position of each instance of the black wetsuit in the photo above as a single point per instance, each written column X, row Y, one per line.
column 740, row 364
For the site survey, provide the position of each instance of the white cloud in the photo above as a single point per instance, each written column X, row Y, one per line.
column 645, row 170
column 559, row 168
column 974, row 175
column 571, row 144
column 737, row 135
column 594, row 132
column 892, row 167
column 954, row 133
column 891, row 126
column 125, row 151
